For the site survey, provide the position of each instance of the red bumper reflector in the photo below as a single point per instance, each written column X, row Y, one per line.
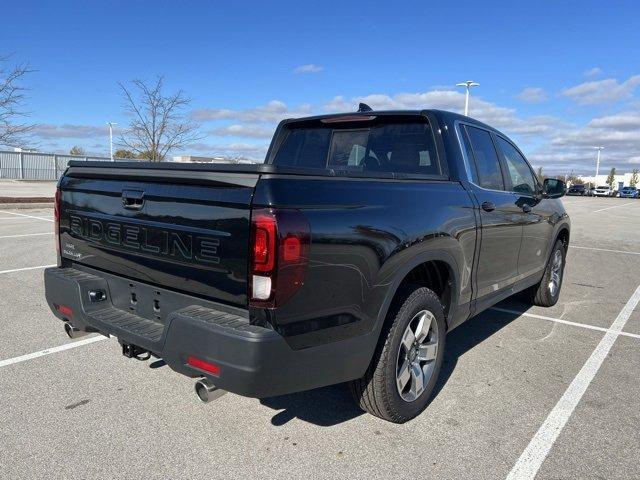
column 212, row 368
column 64, row 310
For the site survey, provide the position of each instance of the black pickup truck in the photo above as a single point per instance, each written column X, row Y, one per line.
column 346, row 257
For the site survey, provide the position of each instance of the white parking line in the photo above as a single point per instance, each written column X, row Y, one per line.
column 49, row 351
column 27, row 216
column 26, row 235
column 603, row 250
column 615, row 206
column 536, row 452
column 564, row 322
column 25, row 268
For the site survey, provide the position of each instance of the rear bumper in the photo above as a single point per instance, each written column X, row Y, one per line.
column 254, row 361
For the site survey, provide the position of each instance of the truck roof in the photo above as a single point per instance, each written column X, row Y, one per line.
column 445, row 115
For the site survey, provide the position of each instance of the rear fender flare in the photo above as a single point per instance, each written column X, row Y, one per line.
column 433, row 255
column 564, row 225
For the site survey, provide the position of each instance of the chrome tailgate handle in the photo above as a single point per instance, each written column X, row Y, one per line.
column 132, row 199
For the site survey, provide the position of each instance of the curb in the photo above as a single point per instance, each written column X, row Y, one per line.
column 24, row 206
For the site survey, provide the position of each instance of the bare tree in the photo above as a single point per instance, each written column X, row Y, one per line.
column 76, row 150
column 12, row 98
column 158, row 123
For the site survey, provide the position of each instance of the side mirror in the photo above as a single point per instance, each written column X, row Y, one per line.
column 553, row 188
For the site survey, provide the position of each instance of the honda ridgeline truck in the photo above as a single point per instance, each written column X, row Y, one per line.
column 346, row 257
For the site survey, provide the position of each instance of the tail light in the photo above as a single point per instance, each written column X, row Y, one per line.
column 56, row 224
column 279, row 256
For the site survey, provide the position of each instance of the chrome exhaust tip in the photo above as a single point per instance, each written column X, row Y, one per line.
column 207, row 391
column 73, row 332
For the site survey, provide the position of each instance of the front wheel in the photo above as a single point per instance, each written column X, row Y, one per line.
column 398, row 383
column 547, row 292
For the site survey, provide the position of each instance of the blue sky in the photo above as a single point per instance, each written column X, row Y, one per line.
column 558, row 77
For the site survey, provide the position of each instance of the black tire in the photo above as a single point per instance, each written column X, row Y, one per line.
column 377, row 392
column 542, row 294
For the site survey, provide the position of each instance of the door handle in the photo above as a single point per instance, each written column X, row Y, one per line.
column 132, row 199
column 488, row 206
column 526, row 208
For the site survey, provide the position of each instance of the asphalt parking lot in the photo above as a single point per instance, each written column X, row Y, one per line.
column 523, row 390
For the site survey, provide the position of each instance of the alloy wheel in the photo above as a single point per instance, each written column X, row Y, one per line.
column 417, row 355
column 556, row 273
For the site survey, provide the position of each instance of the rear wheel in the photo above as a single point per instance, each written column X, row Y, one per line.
column 398, row 383
column 547, row 292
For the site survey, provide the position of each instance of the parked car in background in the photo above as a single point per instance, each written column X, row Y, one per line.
column 629, row 192
column 577, row 190
column 590, row 192
column 603, row 191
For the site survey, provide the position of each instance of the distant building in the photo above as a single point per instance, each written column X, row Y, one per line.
column 624, row 178
column 26, row 150
column 220, row 159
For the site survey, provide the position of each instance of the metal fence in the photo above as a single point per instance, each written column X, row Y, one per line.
column 37, row 165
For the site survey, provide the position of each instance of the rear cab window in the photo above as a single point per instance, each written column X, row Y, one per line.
column 391, row 144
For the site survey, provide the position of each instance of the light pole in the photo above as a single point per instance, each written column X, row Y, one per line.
column 595, row 179
column 468, row 84
column 111, row 124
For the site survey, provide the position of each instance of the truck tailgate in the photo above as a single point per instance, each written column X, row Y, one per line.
column 184, row 230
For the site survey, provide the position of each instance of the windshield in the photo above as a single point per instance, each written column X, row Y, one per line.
column 404, row 146
column 603, row 188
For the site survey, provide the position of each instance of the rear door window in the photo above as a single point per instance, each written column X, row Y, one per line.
column 487, row 164
column 398, row 146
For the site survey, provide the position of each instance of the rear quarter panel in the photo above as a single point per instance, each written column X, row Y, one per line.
column 365, row 236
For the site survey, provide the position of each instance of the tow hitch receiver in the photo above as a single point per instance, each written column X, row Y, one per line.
column 133, row 351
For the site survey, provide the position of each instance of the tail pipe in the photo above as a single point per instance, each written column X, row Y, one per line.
column 73, row 332
column 207, row 391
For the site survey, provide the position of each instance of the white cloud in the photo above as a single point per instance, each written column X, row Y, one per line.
column 547, row 140
column 571, row 147
column 273, row 111
column 592, row 72
column 535, row 126
column 586, row 137
column 245, row 130
column 533, row 95
column 602, row 91
column 439, row 99
column 622, row 121
column 308, row 68
column 618, row 132
column 532, row 129
column 46, row 130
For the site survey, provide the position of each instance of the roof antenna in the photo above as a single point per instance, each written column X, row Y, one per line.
column 363, row 107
